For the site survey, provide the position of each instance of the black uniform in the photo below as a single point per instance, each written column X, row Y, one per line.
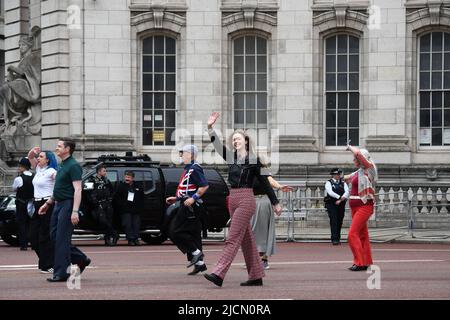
column 336, row 213
column 100, row 199
column 24, row 195
column 129, row 200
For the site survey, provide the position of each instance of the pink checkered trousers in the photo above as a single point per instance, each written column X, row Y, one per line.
column 242, row 206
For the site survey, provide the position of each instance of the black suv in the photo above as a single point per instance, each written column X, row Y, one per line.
column 157, row 181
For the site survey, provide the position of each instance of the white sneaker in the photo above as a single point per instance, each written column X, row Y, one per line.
column 49, row 270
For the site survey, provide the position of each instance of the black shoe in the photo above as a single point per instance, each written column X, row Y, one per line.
column 195, row 258
column 358, row 268
column 214, row 279
column 23, row 249
column 131, row 243
column 254, row 282
column 136, row 242
column 84, row 264
column 197, row 269
column 57, row 279
column 336, row 243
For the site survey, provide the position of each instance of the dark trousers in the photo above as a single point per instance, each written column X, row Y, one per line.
column 22, row 219
column 336, row 214
column 61, row 229
column 104, row 215
column 185, row 229
column 131, row 222
column 40, row 236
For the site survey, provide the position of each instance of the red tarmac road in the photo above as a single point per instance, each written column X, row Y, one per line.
column 297, row 271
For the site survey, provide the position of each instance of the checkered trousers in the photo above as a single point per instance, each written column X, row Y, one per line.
column 242, row 207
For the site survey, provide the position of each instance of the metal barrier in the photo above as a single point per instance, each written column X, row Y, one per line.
column 401, row 211
column 308, row 213
column 2, row 181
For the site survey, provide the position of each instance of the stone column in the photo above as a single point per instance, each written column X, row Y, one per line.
column 2, row 47
column 100, row 78
column 55, row 71
column 17, row 16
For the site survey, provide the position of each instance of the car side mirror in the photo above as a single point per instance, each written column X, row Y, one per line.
column 88, row 186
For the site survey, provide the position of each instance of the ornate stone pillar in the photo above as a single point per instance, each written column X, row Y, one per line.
column 20, row 95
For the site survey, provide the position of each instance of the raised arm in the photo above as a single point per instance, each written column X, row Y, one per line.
column 357, row 153
column 32, row 154
column 224, row 152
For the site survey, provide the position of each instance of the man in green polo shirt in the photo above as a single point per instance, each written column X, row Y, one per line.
column 67, row 196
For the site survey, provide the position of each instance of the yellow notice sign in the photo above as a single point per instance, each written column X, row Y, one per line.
column 158, row 136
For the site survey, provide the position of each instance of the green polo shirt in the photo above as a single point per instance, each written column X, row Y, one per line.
column 69, row 170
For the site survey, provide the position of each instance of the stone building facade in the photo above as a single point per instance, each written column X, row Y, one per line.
column 304, row 76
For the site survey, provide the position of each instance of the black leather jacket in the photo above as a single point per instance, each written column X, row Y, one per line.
column 243, row 172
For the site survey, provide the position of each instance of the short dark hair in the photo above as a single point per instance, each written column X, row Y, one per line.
column 129, row 173
column 68, row 142
column 100, row 167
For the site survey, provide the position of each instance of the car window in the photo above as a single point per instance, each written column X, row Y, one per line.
column 112, row 176
column 144, row 180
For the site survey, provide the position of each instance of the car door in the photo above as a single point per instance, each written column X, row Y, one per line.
column 149, row 179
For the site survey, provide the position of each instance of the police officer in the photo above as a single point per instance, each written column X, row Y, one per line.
column 101, row 200
column 336, row 195
column 23, row 185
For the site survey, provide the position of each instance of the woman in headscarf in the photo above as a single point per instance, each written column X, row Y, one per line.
column 45, row 165
column 362, row 198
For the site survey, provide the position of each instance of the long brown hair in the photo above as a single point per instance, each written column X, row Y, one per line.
column 249, row 145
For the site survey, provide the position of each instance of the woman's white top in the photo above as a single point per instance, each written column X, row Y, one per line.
column 43, row 182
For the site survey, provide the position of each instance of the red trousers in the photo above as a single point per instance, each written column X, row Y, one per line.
column 358, row 235
column 242, row 205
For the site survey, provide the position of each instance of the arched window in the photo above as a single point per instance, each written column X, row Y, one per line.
column 341, row 90
column 434, row 89
column 250, row 82
column 158, row 90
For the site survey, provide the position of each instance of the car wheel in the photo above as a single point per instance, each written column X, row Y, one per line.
column 153, row 238
column 10, row 239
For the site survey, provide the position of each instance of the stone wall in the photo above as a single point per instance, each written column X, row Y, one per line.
column 91, row 75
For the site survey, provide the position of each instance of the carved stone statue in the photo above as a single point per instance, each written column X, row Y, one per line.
column 20, row 96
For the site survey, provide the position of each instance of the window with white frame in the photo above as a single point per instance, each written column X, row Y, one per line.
column 341, row 90
column 434, row 89
column 158, row 90
column 250, row 82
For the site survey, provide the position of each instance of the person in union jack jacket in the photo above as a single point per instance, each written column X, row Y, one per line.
column 185, row 228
